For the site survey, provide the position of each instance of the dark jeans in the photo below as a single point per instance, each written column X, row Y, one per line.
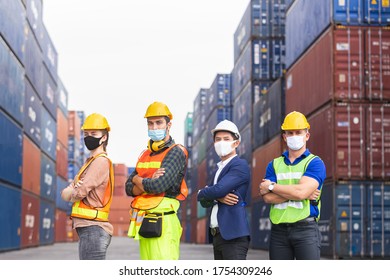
column 93, row 243
column 235, row 249
column 301, row 241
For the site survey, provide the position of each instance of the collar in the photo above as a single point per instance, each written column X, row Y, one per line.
column 225, row 162
column 305, row 154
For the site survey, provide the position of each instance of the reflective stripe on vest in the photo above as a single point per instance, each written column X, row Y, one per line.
column 293, row 210
column 146, row 166
column 84, row 211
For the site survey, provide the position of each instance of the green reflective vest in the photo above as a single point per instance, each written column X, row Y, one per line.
column 293, row 210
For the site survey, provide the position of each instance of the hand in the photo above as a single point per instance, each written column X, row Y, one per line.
column 314, row 195
column 78, row 184
column 159, row 172
column 229, row 199
column 263, row 187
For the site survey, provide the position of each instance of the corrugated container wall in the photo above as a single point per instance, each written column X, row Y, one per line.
column 356, row 221
column 301, row 32
column 359, row 56
column 265, row 18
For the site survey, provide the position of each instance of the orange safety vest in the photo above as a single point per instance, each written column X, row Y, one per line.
column 146, row 166
column 84, row 211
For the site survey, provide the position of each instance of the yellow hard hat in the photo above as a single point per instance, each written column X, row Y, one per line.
column 95, row 121
column 295, row 121
column 157, row 109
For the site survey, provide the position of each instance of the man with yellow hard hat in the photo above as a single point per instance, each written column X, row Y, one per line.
column 293, row 185
column 157, row 185
column 91, row 192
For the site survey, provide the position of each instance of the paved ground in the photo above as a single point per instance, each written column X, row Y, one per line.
column 121, row 248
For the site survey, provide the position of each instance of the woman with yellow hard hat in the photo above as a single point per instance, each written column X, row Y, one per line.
column 91, row 192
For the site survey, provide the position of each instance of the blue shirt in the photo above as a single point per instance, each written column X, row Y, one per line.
column 315, row 169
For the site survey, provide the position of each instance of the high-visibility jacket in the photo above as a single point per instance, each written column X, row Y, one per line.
column 293, row 210
column 146, row 166
column 84, row 211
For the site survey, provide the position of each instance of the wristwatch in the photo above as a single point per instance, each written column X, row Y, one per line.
column 271, row 186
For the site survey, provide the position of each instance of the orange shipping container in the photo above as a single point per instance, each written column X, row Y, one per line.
column 31, row 166
column 62, row 161
column 74, row 124
column 62, row 128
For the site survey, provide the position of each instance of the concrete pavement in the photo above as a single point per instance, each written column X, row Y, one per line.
column 121, row 248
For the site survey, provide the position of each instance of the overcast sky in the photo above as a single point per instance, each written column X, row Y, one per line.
column 115, row 57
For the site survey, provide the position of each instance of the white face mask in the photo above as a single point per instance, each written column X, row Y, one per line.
column 295, row 142
column 223, row 148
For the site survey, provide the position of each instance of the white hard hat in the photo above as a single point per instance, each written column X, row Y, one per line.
column 227, row 125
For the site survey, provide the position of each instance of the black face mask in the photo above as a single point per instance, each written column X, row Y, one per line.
column 92, row 143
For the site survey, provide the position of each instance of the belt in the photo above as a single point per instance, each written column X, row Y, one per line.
column 301, row 222
column 160, row 214
column 214, row 231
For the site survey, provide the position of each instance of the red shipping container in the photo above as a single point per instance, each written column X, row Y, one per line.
column 60, row 225
column 353, row 140
column 201, row 228
column 30, row 220
column 120, row 215
column 260, row 159
column 31, row 175
column 62, row 161
column 62, row 128
column 345, row 64
column 121, row 202
column 75, row 124
column 378, row 141
column 120, row 169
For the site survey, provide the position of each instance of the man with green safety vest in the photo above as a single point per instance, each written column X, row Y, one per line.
column 293, row 185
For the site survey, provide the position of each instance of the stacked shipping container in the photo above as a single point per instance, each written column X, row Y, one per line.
column 211, row 106
column 338, row 76
column 41, row 144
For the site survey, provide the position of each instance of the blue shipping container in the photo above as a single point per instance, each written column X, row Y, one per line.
column 32, row 114
column 49, row 52
column 10, row 201
column 219, row 93
column 244, row 150
column 262, row 18
column 355, row 219
column 242, row 114
column 377, row 12
column 49, row 134
column 34, row 16
column 11, row 83
column 61, row 204
column 261, row 60
column 33, row 63
column 12, row 26
column 47, row 223
column 268, row 114
column 62, row 97
column 48, row 178
column 11, row 150
column 211, row 162
column 49, row 95
column 260, row 225
column 378, row 218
